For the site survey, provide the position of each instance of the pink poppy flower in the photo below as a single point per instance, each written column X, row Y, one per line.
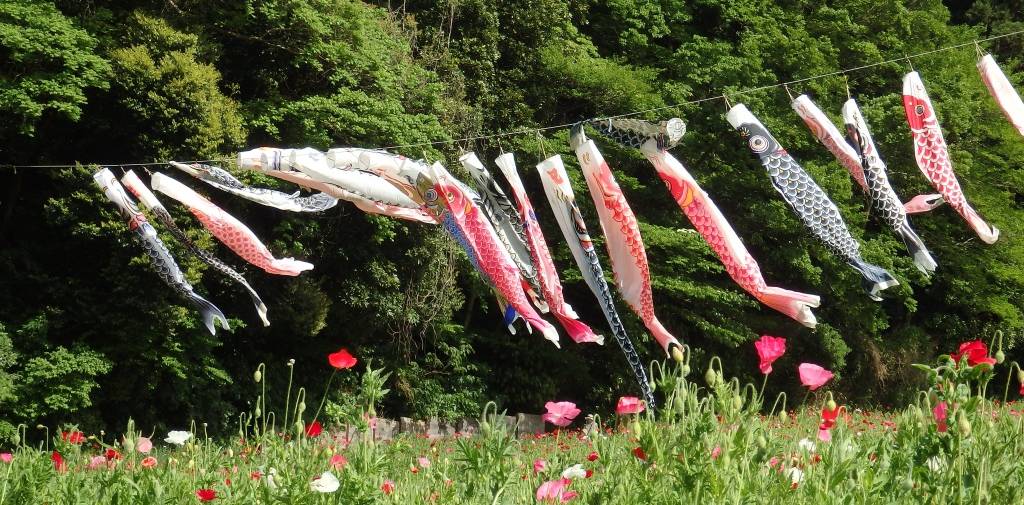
column 824, row 435
column 97, row 462
column 144, row 445
column 629, row 405
column 716, row 452
column 560, row 413
column 539, row 465
column 813, row 376
column 424, row 462
column 148, row 462
column 6, row 457
column 338, row 461
column 976, row 352
column 1022, row 388
column 769, row 349
column 940, row 417
column 555, row 491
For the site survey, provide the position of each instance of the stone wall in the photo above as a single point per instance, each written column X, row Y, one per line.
column 386, row 429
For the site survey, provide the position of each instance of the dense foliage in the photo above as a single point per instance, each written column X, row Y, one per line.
column 89, row 332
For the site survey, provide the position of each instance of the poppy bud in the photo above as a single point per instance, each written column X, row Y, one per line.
column 762, row 442
column 291, row 362
column 737, row 403
column 299, row 427
column 16, row 439
column 302, row 407
column 1020, row 376
column 965, row 426
column 907, row 483
column 686, row 370
column 782, row 416
column 1000, row 356
column 677, row 354
column 710, row 377
column 831, row 405
column 258, row 412
column 680, row 402
column 257, row 376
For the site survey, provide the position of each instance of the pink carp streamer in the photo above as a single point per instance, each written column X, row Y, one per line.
column 621, row 231
column 932, row 155
column 563, row 203
column 653, row 141
column 829, row 136
column 1002, row 91
column 230, row 231
column 493, row 258
column 861, row 159
column 550, row 284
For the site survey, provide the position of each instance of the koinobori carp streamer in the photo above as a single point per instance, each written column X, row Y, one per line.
column 224, row 181
column 230, row 231
column 150, row 201
column 563, row 202
column 861, row 159
column 493, row 257
column 932, row 155
column 884, row 199
column 507, row 224
column 807, row 199
column 547, row 275
column 160, row 258
column 621, row 231
column 653, row 140
column 1002, row 91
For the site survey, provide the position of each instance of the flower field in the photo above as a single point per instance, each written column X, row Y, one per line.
column 713, row 441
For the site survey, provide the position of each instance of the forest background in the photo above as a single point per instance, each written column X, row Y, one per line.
column 89, row 334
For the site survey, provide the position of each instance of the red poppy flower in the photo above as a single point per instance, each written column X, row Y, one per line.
column 206, row 494
column 590, row 473
column 255, row 475
column 388, row 486
column 976, row 352
column 1022, row 388
column 828, row 417
column 341, row 359
column 112, row 454
column 58, row 461
column 769, row 349
column 639, row 453
column 592, row 456
column 73, row 437
column 314, row 429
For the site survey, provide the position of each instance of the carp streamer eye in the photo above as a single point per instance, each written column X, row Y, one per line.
column 758, row 144
column 431, row 195
column 919, row 110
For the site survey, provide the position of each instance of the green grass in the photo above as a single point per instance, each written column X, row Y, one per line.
column 710, row 444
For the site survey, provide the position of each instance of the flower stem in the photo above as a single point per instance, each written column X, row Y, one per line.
column 324, row 399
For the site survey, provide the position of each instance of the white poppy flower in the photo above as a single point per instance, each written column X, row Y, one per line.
column 806, row 444
column 574, row 472
column 795, row 475
column 325, row 483
column 935, row 463
column 177, row 437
